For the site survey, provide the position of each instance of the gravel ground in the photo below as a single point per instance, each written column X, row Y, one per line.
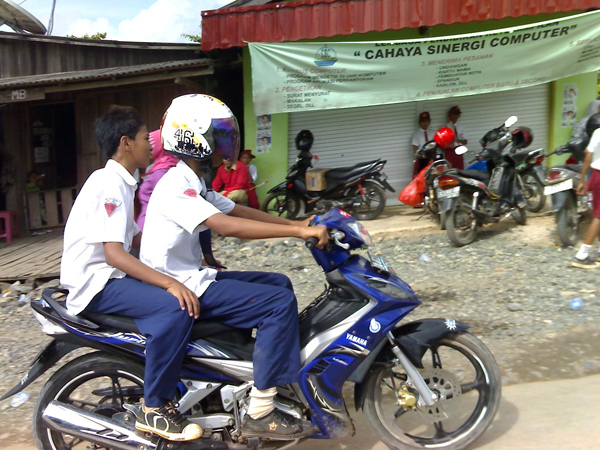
column 514, row 286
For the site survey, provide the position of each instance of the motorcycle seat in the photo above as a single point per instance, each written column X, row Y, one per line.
column 201, row 329
column 573, row 167
column 475, row 174
column 345, row 173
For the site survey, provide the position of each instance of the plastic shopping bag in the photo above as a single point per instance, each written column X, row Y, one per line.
column 414, row 192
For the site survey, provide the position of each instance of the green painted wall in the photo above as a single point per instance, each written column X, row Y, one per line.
column 271, row 167
column 587, row 85
column 274, row 167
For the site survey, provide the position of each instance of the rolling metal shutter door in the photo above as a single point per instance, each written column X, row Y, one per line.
column 344, row 137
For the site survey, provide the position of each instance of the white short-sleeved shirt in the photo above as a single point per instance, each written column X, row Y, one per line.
column 459, row 131
column 179, row 204
column 253, row 172
column 418, row 138
column 594, row 147
column 102, row 212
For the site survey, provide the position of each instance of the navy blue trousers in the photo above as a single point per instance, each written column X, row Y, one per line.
column 159, row 317
column 265, row 301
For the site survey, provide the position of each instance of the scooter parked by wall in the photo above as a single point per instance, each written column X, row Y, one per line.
column 561, row 183
column 475, row 198
column 358, row 189
column 529, row 169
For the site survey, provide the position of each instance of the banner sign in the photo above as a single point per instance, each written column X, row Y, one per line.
column 290, row 77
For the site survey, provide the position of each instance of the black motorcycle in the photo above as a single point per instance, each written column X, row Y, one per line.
column 561, row 183
column 358, row 189
column 473, row 198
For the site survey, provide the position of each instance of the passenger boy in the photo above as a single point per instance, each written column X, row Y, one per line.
column 202, row 131
column 102, row 277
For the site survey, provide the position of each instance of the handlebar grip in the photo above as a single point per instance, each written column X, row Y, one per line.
column 311, row 242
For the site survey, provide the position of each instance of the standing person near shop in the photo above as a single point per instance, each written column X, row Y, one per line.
column 585, row 259
column 103, row 277
column 419, row 138
column 246, row 156
column 455, row 160
column 180, row 208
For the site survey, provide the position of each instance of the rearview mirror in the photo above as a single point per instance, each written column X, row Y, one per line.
column 461, row 150
column 510, row 121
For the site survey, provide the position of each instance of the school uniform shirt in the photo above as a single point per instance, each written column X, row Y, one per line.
column 102, row 212
column 176, row 212
column 594, row 147
column 253, row 172
column 420, row 137
column 459, row 131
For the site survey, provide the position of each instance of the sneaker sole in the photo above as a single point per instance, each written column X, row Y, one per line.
column 169, row 436
column 585, row 266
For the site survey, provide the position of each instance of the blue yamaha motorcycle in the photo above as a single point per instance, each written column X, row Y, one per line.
column 421, row 384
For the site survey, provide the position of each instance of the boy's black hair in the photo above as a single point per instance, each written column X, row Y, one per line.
column 119, row 121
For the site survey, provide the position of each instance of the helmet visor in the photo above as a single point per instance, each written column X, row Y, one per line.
column 224, row 138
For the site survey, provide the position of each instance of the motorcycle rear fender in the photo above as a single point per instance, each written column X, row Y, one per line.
column 414, row 339
column 280, row 187
column 49, row 356
column 559, row 199
column 383, row 183
column 447, row 205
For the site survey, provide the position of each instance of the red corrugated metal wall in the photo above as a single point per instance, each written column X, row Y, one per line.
column 310, row 19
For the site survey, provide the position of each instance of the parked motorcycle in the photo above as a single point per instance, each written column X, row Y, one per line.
column 569, row 208
column 435, row 151
column 358, row 189
column 473, row 198
column 421, row 384
column 529, row 170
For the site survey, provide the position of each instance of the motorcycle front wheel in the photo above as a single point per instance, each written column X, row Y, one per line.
column 567, row 221
column 462, row 372
column 533, row 191
column 461, row 224
column 282, row 204
column 96, row 383
column 369, row 205
column 519, row 215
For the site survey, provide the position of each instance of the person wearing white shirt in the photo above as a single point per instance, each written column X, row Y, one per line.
column 419, row 138
column 460, row 138
column 202, row 131
column 584, row 259
column 103, row 277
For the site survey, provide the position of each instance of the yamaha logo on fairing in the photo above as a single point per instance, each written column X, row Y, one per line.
column 374, row 326
column 356, row 339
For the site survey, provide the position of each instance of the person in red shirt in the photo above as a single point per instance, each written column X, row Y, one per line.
column 233, row 181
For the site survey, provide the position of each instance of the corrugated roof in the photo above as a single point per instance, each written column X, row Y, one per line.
column 311, row 19
column 101, row 74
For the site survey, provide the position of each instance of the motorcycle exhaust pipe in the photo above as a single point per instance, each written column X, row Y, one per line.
column 93, row 428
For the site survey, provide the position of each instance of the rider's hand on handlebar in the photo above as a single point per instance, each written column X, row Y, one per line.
column 306, row 222
column 319, row 232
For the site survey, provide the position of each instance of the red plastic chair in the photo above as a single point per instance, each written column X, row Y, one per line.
column 9, row 226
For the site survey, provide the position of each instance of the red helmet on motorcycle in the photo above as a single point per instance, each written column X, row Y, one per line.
column 444, row 137
column 522, row 137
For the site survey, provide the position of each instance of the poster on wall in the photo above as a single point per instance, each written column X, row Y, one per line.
column 263, row 134
column 569, row 105
column 308, row 76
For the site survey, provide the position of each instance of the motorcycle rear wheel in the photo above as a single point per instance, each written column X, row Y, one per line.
column 83, row 383
column 372, row 204
column 282, row 204
column 533, row 192
column 567, row 220
column 461, row 225
column 463, row 372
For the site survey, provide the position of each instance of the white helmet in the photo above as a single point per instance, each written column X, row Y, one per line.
column 199, row 126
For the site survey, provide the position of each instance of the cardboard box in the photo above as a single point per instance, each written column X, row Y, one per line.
column 315, row 179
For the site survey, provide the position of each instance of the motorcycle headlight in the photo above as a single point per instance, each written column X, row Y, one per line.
column 361, row 232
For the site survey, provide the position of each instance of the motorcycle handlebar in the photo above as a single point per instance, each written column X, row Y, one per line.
column 311, row 242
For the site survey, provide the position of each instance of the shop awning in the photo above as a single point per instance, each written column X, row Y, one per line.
column 311, row 19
